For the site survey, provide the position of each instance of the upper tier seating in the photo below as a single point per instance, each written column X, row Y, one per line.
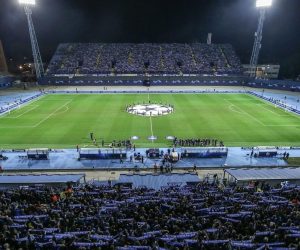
column 128, row 58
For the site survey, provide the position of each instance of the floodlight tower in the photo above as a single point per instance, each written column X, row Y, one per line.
column 38, row 63
column 262, row 5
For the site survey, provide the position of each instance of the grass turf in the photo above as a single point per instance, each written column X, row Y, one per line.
column 63, row 121
column 294, row 161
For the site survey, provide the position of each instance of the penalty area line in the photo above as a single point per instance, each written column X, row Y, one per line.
column 262, row 105
column 231, row 107
column 47, row 117
column 53, row 113
column 25, row 112
column 246, row 113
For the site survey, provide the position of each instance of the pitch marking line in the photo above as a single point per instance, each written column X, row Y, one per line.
column 151, row 127
column 231, row 107
column 263, row 106
column 246, row 113
column 253, row 117
column 53, row 113
column 29, row 103
column 47, row 117
column 265, row 125
column 57, row 100
column 62, row 112
column 15, row 117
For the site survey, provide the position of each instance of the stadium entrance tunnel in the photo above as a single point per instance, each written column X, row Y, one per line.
column 150, row 109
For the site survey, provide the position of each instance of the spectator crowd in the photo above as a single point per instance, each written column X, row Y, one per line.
column 202, row 216
column 128, row 58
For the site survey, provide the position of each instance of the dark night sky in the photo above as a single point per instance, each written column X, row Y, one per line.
column 230, row 21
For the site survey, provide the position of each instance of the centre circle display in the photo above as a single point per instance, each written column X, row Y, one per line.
column 150, row 109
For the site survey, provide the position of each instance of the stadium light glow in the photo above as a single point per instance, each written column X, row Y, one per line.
column 263, row 3
column 27, row 2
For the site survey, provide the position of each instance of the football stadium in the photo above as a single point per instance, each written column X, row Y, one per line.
column 139, row 126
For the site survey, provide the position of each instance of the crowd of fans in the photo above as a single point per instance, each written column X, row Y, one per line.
column 5, row 81
column 202, row 216
column 128, row 58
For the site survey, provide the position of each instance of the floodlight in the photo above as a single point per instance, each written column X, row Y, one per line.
column 38, row 63
column 263, row 3
column 27, row 2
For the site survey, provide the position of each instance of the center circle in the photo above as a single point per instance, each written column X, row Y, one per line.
column 150, row 109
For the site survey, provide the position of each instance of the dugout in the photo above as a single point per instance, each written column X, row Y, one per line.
column 101, row 154
column 38, row 154
column 265, row 151
column 273, row 176
column 209, row 152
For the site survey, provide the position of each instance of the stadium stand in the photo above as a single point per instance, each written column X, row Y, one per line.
column 149, row 64
column 201, row 216
column 105, row 59
column 5, row 81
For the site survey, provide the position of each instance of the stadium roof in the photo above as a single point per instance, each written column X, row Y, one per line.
column 264, row 174
column 40, row 179
column 158, row 181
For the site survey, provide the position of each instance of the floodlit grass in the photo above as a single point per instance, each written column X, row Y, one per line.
column 63, row 121
column 294, row 161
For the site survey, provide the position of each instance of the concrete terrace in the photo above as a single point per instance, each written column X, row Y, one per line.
column 67, row 159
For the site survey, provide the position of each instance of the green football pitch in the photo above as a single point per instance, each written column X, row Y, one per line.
column 65, row 120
